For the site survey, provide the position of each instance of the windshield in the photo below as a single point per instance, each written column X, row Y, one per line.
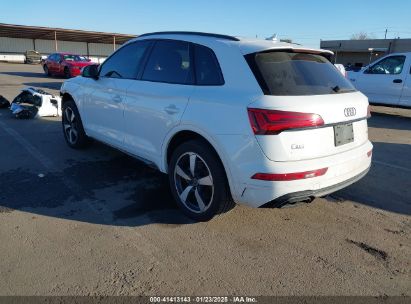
column 290, row 73
column 75, row 58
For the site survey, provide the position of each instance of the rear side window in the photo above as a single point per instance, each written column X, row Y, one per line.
column 296, row 74
column 208, row 71
column 169, row 62
column 125, row 63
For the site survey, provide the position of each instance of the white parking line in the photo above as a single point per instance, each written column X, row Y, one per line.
column 391, row 166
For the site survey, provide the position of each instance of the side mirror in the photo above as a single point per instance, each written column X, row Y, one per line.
column 90, row 71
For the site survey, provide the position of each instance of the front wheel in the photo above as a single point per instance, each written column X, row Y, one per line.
column 198, row 181
column 46, row 70
column 73, row 129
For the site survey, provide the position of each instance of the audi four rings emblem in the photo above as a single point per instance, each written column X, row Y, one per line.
column 350, row 112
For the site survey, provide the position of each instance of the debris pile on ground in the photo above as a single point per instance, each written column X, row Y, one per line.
column 32, row 103
column 4, row 103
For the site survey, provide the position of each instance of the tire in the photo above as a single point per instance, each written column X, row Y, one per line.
column 205, row 193
column 67, row 73
column 46, row 70
column 73, row 129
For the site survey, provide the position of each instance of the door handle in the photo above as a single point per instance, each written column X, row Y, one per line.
column 172, row 109
column 397, row 81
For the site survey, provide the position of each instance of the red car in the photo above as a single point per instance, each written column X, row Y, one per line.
column 65, row 64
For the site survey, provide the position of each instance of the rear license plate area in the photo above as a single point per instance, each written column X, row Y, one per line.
column 343, row 134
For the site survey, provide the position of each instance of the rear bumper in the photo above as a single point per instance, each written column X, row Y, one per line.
column 343, row 169
column 310, row 194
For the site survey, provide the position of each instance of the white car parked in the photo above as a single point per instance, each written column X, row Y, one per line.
column 386, row 81
column 256, row 122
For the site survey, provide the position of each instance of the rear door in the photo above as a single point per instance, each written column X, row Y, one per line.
column 156, row 103
column 383, row 81
column 317, row 110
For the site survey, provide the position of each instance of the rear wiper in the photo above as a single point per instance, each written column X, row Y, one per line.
column 337, row 89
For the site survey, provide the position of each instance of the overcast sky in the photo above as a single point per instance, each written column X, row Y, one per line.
column 305, row 22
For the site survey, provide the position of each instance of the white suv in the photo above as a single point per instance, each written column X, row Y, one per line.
column 257, row 122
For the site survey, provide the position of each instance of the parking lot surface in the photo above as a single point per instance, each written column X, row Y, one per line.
column 97, row 222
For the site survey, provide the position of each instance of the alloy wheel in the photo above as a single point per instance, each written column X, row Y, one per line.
column 193, row 182
column 70, row 126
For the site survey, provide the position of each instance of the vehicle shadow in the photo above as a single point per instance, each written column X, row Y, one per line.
column 99, row 185
column 388, row 121
column 118, row 191
column 387, row 185
column 103, row 186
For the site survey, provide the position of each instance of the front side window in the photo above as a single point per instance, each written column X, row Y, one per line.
column 53, row 57
column 392, row 65
column 169, row 62
column 290, row 73
column 206, row 66
column 126, row 62
column 76, row 58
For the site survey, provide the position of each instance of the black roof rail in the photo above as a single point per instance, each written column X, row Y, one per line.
column 227, row 37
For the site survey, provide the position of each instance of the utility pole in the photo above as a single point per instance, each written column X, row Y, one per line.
column 385, row 36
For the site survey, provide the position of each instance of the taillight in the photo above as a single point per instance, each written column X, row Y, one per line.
column 272, row 122
column 368, row 111
column 289, row 176
column 369, row 153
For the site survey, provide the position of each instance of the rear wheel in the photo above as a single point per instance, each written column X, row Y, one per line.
column 73, row 129
column 198, row 181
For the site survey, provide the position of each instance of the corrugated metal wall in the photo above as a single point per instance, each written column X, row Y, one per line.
column 101, row 49
column 14, row 45
column 45, row 47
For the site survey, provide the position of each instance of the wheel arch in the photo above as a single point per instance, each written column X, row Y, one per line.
column 65, row 97
column 186, row 134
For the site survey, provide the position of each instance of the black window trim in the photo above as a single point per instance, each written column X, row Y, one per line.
column 143, row 60
column 147, row 55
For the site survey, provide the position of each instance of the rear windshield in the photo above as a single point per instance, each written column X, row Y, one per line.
column 289, row 73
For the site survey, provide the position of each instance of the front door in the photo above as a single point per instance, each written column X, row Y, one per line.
column 383, row 81
column 104, row 108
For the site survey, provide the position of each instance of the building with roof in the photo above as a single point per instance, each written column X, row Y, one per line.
column 362, row 52
column 15, row 40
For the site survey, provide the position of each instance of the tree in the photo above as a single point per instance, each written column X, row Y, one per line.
column 362, row 36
